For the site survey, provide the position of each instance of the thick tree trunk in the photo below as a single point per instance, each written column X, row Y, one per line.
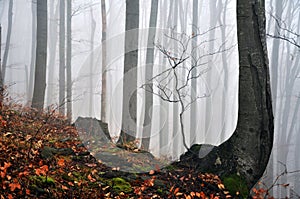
column 41, row 56
column 149, row 75
column 130, row 72
column 247, row 152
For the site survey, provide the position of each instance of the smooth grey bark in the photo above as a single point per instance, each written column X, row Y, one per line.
column 275, row 53
column 193, row 112
column 129, row 110
column 214, row 13
column 104, row 69
column 41, row 55
column 149, row 75
column 175, row 106
column 7, row 42
column 53, row 37
column 248, row 150
column 164, row 111
column 62, row 58
column 69, row 59
column 33, row 55
column 91, row 86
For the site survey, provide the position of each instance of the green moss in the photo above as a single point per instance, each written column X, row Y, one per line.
column 42, row 180
column 236, row 185
column 159, row 191
column 120, row 185
column 170, row 167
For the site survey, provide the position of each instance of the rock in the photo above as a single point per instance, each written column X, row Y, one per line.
column 91, row 127
column 49, row 152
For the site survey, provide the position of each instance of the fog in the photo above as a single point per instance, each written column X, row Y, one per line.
column 212, row 118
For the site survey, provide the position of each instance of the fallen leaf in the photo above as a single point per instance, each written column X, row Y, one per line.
column 14, row 186
column 61, row 162
column 151, row 172
column 64, row 187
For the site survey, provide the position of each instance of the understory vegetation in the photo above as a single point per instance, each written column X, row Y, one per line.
column 41, row 156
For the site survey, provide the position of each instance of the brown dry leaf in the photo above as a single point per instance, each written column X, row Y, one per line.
column 221, row 186
column 64, row 187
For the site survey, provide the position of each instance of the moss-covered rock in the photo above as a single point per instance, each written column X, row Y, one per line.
column 236, row 185
column 120, row 185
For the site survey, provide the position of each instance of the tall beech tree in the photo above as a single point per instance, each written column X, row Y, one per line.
column 130, row 72
column 41, row 55
column 246, row 153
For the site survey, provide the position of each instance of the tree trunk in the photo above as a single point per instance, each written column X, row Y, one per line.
column 53, row 37
column 33, row 55
column 7, row 42
column 130, row 72
column 69, row 59
column 91, row 86
column 247, row 152
column 149, row 75
column 41, row 55
column 62, row 78
column 193, row 112
column 103, row 88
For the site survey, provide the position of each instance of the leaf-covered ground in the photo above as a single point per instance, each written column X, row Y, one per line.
column 41, row 156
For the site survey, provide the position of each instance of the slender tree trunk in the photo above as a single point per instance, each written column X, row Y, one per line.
column 275, row 53
column 62, row 69
column 164, row 111
column 247, row 152
column 149, row 75
column 176, row 130
column 33, row 55
column 7, row 42
column 53, row 37
column 69, row 59
column 41, row 55
column 91, row 86
column 130, row 72
column 1, row 80
column 193, row 112
column 104, row 74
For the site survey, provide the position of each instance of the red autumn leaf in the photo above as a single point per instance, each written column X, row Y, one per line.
column 91, row 178
column 42, row 170
column 10, row 196
column 6, row 166
column 3, row 174
column 171, row 189
column 176, row 190
column 14, row 186
column 61, row 162
column 24, row 173
column 27, row 191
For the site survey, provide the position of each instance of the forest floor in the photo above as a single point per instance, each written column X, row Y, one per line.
column 42, row 156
